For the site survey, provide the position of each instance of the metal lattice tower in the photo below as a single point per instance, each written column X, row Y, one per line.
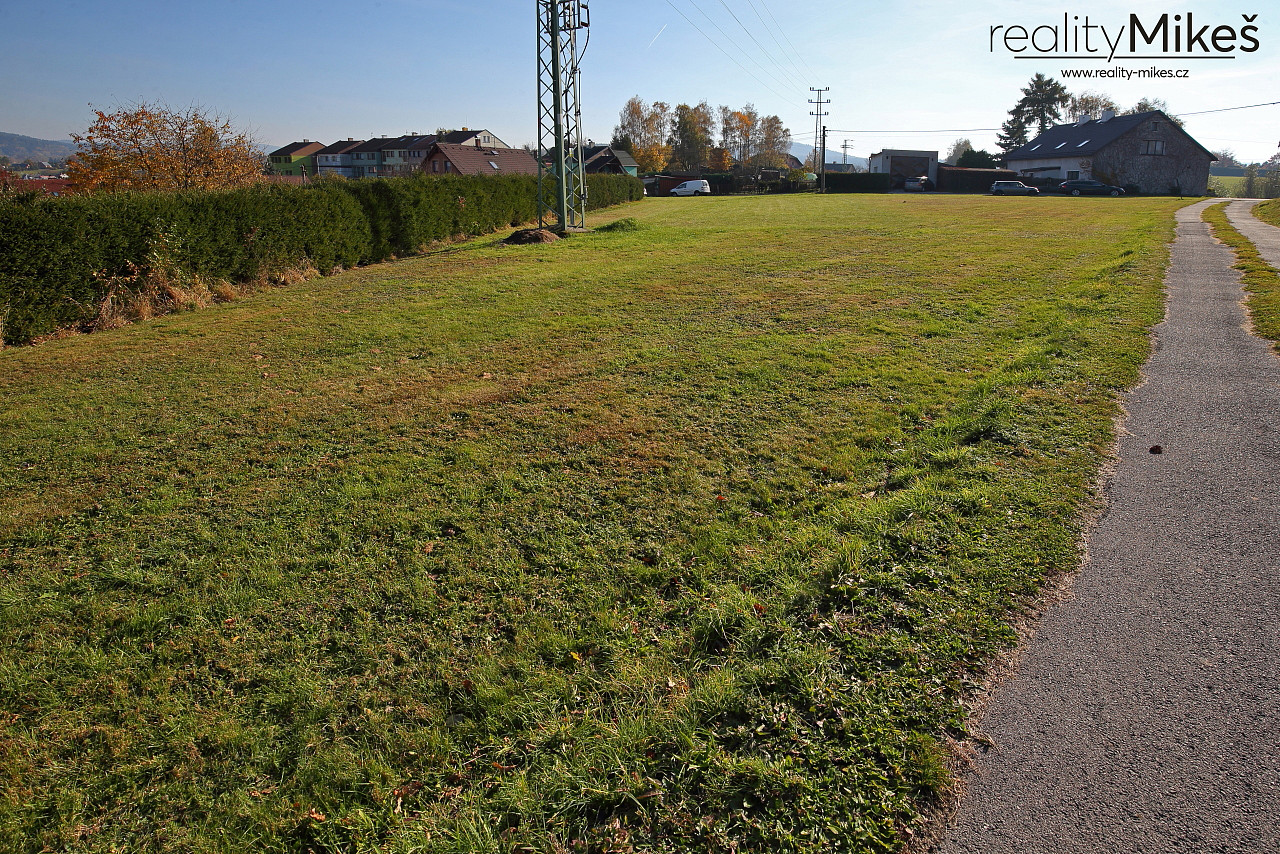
column 562, row 191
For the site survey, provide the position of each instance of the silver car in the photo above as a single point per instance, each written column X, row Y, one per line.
column 1013, row 188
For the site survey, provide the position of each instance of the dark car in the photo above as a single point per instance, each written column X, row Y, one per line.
column 1086, row 187
column 1013, row 188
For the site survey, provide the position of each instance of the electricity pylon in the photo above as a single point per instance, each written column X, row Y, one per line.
column 562, row 191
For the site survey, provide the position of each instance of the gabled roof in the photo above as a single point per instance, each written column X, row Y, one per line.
column 298, row 149
column 341, row 147
column 469, row 160
column 597, row 152
column 1083, row 140
column 374, row 144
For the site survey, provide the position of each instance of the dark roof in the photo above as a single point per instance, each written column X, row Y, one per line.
column 592, row 153
column 460, row 137
column 298, row 149
column 469, row 160
column 341, row 147
column 1085, row 139
column 374, row 144
column 385, row 142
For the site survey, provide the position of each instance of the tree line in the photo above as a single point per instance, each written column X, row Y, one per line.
column 692, row 137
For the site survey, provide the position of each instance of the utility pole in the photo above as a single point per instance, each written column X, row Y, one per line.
column 561, row 187
column 845, row 148
column 820, row 135
column 823, row 174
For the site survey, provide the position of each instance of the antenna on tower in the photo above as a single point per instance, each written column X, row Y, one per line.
column 562, row 190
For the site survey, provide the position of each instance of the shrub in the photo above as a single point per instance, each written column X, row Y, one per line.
column 62, row 259
column 857, row 182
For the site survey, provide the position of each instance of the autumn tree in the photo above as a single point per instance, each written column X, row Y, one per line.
column 1090, row 103
column 692, row 129
column 156, row 147
column 959, row 147
column 775, row 143
column 645, row 126
column 719, row 159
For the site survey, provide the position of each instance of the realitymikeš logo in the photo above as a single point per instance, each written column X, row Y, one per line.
column 1173, row 36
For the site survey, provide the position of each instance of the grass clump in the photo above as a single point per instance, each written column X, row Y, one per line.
column 1261, row 281
column 690, row 537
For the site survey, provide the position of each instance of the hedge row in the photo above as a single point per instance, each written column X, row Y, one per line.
column 59, row 256
column 858, row 182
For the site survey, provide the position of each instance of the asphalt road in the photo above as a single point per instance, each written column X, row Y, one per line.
column 1145, row 712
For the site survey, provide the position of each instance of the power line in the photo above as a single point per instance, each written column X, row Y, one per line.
column 939, row 130
column 1229, row 109
column 765, row 4
column 751, row 36
column 770, row 30
column 721, row 49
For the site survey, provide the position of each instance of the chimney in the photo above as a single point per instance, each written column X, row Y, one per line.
column 1108, row 115
column 1081, row 119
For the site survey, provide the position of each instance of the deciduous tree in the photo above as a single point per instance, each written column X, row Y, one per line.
column 156, row 147
column 692, row 129
column 1147, row 105
column 1090, row 103
column 958, row 148
column 645, row 126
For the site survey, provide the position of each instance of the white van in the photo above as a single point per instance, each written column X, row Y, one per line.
column 692, row 188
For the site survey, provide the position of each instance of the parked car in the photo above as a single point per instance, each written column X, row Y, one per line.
column 917, row 185
column 1087, row 187
column 1013, row 188
column 692, row 188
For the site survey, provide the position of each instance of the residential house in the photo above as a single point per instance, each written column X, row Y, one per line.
column 336, row 159
column 1144, row 150
column 467, row 136
column 603, row 158
column 296, row 158
column 405, row 154
column 446, row 158
column 366, row 158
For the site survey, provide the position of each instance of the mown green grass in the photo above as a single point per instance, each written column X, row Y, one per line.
column 1261, row 281
column 1268, row 211
column 689, row 535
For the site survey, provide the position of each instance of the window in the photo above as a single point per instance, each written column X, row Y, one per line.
column 435, row 165
column 1083, row 144
column 1034, row 147
column 1073, row 176
column 1152, row 146
column 1059, row 145
column 494, row 165
column 1155, row 126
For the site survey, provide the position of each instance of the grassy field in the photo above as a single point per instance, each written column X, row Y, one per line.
column 690, row 534
column 1260, row 280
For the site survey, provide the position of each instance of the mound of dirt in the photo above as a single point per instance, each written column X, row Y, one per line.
column 531, row 235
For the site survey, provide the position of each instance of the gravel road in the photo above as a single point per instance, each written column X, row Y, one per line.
column 1145, row 713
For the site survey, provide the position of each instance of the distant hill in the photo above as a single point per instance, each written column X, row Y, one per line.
column 834, row 155
column 19, row 148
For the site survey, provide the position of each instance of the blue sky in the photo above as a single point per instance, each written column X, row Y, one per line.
column 901, row 75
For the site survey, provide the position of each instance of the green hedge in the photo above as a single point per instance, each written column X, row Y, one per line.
column 58, row 255
column 857, row 182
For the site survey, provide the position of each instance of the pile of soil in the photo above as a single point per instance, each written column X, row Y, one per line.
column 531, row 235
